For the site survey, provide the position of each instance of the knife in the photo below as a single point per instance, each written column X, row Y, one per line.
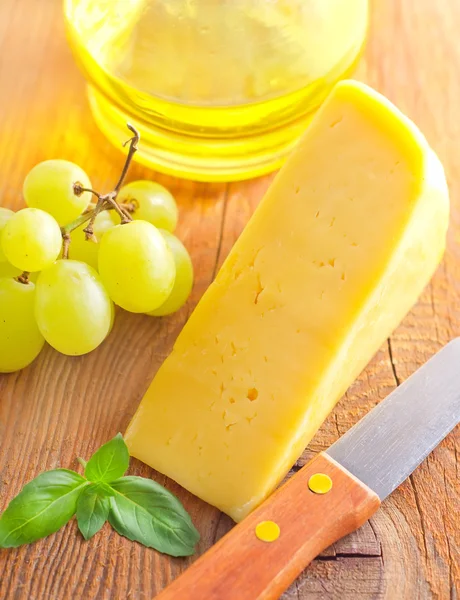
column 332, row 495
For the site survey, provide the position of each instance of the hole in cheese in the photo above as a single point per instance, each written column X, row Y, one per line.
column 252, row 394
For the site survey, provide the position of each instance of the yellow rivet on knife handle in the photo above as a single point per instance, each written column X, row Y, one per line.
column 267, row 531
column 319, row 483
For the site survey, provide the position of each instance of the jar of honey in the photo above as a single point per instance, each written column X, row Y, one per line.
column 219, row 89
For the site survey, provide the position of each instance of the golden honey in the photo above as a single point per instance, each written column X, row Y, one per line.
column 220, row 89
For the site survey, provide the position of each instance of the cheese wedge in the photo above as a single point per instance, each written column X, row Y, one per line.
column 338, row 251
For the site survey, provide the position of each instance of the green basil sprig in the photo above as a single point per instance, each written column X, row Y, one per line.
column 110, row 462
column 41, row 508
column 143, row 511
column 137, row 508
column 93, row 509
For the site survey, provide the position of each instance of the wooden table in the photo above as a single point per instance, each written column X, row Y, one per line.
column 63, row 407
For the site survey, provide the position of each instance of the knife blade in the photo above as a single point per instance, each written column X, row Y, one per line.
column 389, row 443
column 334, row 494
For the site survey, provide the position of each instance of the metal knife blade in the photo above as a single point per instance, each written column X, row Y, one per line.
column 384, row 447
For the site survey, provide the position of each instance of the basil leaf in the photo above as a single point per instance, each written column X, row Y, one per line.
column 93, row 508
column 43, row 506
column 110, row 462
column 144, row 511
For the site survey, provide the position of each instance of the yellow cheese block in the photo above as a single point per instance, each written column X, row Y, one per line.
column 338, row 251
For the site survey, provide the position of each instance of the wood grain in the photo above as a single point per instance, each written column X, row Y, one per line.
column 242, row 566
column 60, row 407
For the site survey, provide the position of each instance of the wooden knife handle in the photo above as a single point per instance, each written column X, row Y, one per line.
column 242, row 567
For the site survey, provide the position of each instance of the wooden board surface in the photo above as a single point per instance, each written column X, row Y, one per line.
column 61, row 407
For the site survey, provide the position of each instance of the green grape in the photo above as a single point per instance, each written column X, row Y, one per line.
column 87, row 250
column 153, row 203
column 20, row 338
column 31, row 239
column 5, row 216
column 136, row 266
column 184, row 277
column 72, row 307
column 49, row 186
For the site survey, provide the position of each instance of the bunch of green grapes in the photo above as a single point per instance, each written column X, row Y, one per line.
column 65, row 262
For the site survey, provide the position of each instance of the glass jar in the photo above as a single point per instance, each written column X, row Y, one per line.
column 219, row 89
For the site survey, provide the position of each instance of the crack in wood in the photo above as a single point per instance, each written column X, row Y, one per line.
column 338, row 555
column 420, row 513
column 449, row 551
column 296, row 584
column 435, row 319
column 457, row 461
column 377, row 539
column 452, row 327
column 336, row 424
column 393, row 366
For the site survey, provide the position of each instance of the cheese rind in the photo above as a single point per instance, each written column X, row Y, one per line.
column 337, row 252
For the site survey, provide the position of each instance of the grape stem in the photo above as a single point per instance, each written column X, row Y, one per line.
column 65, row 245
column 24, row 277
column 74, row 224
column 89, row 232
column 78, row 189
column 129, row 207
column 104, row 201
column 123, row 214
column 133, row 144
